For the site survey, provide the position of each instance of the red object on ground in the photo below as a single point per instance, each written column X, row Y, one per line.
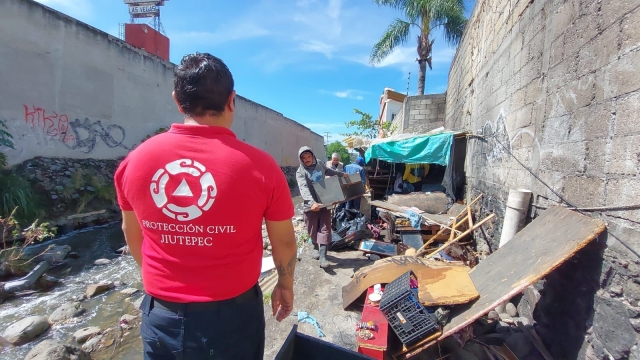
column 147, row 38
column 377, row 346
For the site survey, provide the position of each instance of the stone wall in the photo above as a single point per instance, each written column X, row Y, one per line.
column 72, row 91
column 555, row 84
column 421, row 114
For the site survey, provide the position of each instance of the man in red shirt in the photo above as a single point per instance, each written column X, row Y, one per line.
column 193, row 201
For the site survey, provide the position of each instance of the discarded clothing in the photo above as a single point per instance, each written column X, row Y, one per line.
column 303, row 316
column 415, row 219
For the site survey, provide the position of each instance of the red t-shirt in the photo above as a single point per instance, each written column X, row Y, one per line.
column 200, row 196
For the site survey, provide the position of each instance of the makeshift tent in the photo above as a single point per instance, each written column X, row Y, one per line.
column 435, row 147
column 417, row 149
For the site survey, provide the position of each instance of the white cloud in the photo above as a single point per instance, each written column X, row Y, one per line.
column 346, row 94
column 79, row 9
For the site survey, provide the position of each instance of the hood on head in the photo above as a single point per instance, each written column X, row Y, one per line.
column 360, row 160
column 305, row 149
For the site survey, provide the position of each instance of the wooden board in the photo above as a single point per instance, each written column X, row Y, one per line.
column 446, row 286
column 384, row 271
column 543, row 245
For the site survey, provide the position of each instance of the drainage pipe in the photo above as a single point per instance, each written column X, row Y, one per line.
column 517, row 207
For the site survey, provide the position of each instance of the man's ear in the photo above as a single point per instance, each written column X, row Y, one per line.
column 173, row 95
column 231, row 103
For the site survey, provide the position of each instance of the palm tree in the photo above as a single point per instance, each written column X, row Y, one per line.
column 426, row 15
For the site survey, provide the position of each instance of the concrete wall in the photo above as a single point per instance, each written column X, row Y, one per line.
column 556, row 84
column 421, row 113
column 70, row 90
column 275, row 133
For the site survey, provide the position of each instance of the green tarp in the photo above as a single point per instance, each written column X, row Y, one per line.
column 429, row 149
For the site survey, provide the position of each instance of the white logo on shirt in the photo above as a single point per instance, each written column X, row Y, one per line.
column 183, row 166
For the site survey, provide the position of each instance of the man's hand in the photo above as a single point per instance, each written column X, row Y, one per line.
column 281, row 302
column 315, row 207
column 345, row 175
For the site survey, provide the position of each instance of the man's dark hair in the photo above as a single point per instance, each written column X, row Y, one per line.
column 202, row 84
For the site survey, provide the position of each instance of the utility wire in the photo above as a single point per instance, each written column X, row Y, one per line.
column 560, row 196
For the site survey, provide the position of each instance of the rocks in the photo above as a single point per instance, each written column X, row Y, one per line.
column 25, row 330
column 95, row 290
column 129, row 291
column 493, row 315
column 55, row 350
column 92, row 344
column 506, row 318
column 100, row 262
column 611, row 327
column 136, row 303
column 67, row 311
column 636, row 324
column 501, row 309
column 127, row 318
column 511, row 310
column 84, row 334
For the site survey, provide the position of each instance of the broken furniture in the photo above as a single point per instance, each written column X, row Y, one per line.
column 334, row 189
column 548, row 241
column 377, row 346
column 299, row 346
column 436, row 274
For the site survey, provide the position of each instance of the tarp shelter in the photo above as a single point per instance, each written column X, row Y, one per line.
column 442, row 147
column 416, row 149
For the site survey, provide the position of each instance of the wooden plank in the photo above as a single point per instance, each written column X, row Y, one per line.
column 461, row 236
column 547, row 242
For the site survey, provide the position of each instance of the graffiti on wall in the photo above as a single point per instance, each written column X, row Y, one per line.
column 494, row 146
column 76, row 135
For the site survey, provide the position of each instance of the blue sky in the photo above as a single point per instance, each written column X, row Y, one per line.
column 307, row 59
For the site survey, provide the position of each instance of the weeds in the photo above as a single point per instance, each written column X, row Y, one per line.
column 16, row 192
column 34, row 233
column 303, row 238
column 266, row 298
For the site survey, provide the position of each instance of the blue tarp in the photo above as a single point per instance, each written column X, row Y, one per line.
column 420, row 149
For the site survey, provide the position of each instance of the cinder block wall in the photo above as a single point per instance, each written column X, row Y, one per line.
column 556, row 83
column 421, row 113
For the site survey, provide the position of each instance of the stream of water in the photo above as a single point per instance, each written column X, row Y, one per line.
column 104, row 311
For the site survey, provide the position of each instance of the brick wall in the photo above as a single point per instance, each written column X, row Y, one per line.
column 557, row 84
column 421, row 114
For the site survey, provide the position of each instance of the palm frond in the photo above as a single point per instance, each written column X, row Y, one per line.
column 397, row 34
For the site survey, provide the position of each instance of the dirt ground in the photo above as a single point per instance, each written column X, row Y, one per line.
column 319, row 292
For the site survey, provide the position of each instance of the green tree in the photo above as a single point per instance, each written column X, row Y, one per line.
column 366, row 126
column 337, row 147
column 426, row 15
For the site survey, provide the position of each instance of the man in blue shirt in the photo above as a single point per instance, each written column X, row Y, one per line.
column 357, row 168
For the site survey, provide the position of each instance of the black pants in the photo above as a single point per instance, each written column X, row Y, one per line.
column 229, row 329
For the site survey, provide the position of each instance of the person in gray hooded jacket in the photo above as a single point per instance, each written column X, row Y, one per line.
column 317, row 218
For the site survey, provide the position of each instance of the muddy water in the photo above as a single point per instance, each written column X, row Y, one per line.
column 103, row 311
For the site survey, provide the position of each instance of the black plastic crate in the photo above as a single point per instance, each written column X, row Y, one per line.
column 404, row 312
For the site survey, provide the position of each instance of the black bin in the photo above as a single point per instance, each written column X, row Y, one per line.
column 303, row 347
column 404, row 312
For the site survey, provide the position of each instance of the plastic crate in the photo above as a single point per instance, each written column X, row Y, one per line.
column 404, row 312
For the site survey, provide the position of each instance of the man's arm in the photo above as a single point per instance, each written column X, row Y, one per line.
column 329, row 171
column 283, row 242
column 305, row 193
column 133, row 235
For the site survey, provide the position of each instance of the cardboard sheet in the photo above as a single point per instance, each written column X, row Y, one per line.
column 446, row 286
column 386, row 270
